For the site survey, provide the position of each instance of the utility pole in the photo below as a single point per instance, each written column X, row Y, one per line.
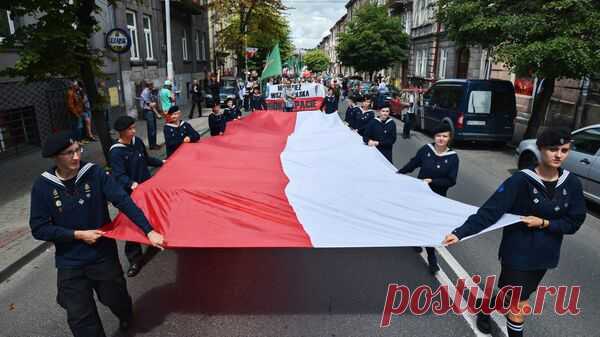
column 168, row 33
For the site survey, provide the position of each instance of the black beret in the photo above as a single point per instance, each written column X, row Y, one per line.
column 173, row 109
column 554, row 136
column 367, row 98
column 123, row 122
column 359, row 98
column 442, row 127
column 57, row 142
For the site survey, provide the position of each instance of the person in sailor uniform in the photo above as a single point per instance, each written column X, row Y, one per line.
column 232, row 112
column 257, row 101
column 129, row 163
column 351, row 112
column 177, row 131
column 438, row 168
column 330, row 102
column 68, row 208
column 217, row 121
column 364, row 115
column 381, row 133
column 551, row 203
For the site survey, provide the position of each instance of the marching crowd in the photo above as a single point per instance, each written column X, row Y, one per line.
column 69, row 200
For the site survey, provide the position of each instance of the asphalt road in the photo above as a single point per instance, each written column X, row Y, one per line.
column 310, row 292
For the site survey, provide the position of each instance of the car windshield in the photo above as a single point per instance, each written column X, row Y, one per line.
column 228, row 91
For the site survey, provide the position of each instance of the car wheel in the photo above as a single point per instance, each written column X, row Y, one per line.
column 527, row 159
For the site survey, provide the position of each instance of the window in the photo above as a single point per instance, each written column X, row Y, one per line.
column 449, row 97
column 148, row 37
column 7, row 26
column 421, row 67
column 204, row 39
column 197, row 45
column 184, row 46
column 443, row 62
column 132, row 28
column 418, row 63
column 480, row 102
column 587, row 141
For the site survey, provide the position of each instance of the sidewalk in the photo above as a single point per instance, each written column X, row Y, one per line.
column 17, row 246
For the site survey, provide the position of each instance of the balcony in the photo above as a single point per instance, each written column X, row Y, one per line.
column 194, row 7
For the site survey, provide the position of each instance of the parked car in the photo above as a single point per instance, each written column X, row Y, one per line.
column 224, row 94
column 476, row 110
column 583, row 161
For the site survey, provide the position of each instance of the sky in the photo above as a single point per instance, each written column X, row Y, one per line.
column 310, row 20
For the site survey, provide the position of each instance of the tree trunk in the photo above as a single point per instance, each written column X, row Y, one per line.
column 540, row 106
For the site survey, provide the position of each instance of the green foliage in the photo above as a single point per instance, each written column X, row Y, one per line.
column 56, row 44
column 545, row 38
column 316, row 60
column 266, row 26
column 373, row 40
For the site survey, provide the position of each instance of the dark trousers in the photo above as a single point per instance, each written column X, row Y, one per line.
column 77, row 128
column 151, row 124
column 431, row 256
column 133, row 251
column 387, row 153
column 194, row 105
column 76, row 287
column 408, row 121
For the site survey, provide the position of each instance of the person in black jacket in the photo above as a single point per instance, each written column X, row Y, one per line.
column 217, row 121
column 257, row 101
column 351, row 112
column 68, row 208
column 196, row 93
column 381, row 133
column 551, row 203
column 330, row 102
column 232, row 112
column 438, row 167
column 364, row 115
column 129, row 163
column 177, row 131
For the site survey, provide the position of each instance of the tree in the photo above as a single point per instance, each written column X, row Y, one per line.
column 316, row 60
column 373, row 40
column 57, row 45
column 549, row 39
column 263, row 22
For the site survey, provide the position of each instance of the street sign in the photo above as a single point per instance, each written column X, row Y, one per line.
column 118, row 41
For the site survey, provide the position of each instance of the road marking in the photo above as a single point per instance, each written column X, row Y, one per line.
column 460, row 272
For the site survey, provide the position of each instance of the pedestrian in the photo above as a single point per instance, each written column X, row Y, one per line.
column 381, row 133
column 232, row 111
column 166, row 97
column 196, row 99
column 217, row 121
column 177, row 131
column 350, row 114
column 364, row 115
column 102, row 102
column 148, row 108
column 215, row 88
column 257, row 101
column 87, row 116
column 75, row 107
column 68, row 208
column 551, row 202
column 288, row 96
column 330, row 102
column 438, row 168
column 129, row 163
column 409, row 116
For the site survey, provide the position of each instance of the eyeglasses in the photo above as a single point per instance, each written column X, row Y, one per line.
column 72, row 153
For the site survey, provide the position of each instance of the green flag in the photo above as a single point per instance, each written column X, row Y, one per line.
column 273, row 66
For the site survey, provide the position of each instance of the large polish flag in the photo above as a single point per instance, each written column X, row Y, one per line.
column 278, row 179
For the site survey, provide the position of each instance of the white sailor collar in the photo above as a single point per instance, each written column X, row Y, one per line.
column 117, row 144
column 448, row 152
column 532, row 174
column 384, row 122
column 51, row 176
column 175, row 125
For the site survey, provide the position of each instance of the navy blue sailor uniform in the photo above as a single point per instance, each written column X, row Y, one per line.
column 329, row 104
column 129, row 164
column 350, row 116
column 257, row 102
column 217, row 124
column 383, row 132
column 362, row 119
column 526, row 253
column 232, row 113
column 175, row 133
column 58, row 209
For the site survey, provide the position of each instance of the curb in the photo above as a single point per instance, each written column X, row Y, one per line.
column 14, row 267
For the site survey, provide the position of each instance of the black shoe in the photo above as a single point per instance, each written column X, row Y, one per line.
column 434, row 268
column 418, row 249
column 124, row 325
column 484, row 323
column 134, row 269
